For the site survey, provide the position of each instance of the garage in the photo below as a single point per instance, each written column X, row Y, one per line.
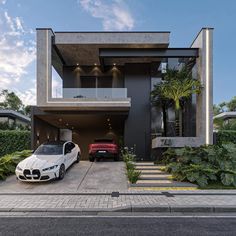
column 81, row 127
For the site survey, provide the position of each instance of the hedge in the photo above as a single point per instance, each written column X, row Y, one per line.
column 226, row 136
column 13, row 140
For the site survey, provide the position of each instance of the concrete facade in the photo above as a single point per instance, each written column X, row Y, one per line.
column 79, row 55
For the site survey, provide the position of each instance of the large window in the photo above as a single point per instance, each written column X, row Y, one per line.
column 163, row 114
column 96, row 82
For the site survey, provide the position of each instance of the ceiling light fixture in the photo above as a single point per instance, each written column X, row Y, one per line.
column 95, row 64
column 114, row 64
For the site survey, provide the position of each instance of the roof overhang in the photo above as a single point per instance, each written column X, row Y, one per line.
column 226, row 115
column 83, row 47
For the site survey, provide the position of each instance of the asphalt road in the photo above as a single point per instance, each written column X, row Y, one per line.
column 117, row 225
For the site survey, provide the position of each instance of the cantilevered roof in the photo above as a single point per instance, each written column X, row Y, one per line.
column 226, row 115
column 15, row 114
column 83, row 47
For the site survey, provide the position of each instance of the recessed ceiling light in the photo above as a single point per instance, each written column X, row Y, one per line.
column 77, row 64
column 95, row 64
column 114, row 64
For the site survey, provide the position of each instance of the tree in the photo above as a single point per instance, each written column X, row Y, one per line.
column 217, row 109
column 177, row 86
column 27, row 110
column 11, row 101
column 231, row 105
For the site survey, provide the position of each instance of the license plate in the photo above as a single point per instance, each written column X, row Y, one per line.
column 102, row 151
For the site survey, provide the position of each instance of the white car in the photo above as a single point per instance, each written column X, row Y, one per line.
column 49, row 161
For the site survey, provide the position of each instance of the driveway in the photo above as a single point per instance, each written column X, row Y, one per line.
column 82, row 177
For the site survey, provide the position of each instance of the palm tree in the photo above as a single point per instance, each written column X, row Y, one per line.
column 177, row 86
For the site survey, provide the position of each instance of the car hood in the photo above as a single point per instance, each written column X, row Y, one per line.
column 40, row 161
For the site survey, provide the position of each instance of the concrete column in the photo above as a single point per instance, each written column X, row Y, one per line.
column 204, row 113
column 44, row 63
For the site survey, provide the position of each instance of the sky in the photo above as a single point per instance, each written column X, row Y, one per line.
column 184, row 18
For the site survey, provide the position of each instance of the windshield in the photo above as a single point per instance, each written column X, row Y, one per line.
column 49, row 150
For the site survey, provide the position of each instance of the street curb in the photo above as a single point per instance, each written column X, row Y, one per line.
column 163, row 208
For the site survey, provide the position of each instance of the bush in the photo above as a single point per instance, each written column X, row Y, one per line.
column 13, row 126
column 205, row 164
column 129, row 159
column 226, row 136
column 9, row 162
column 133, row 175
column 13, row 140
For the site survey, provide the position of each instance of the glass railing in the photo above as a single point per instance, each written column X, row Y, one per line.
column 95, row 93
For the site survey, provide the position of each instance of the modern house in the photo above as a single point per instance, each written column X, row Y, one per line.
column 14, row 118
column 96, row 84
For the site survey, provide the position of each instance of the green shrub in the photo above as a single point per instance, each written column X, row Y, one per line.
column 226, row 136
column 129, row 165
column 13, row 140
column 133, row 175
column 13, row 126
column 129, row 159
column 205, row 164
column 9, row 162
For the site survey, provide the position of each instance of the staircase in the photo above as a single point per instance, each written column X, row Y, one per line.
column 153, row 176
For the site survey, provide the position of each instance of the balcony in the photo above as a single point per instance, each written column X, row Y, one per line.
column 95, row 93
column 90, row 99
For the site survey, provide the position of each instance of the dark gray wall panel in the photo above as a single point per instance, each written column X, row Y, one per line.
column 138, row 126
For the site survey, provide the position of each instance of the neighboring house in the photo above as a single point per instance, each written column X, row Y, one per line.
column 105, row 82
column 14, row 118
column 226, row 117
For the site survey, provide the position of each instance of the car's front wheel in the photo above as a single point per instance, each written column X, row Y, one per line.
column 62, row 172
column 77, row 158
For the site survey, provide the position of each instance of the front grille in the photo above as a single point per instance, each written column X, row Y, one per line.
column 36, row 173
column 27, row 172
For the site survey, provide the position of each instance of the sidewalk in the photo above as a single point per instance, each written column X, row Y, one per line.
column 129, row 201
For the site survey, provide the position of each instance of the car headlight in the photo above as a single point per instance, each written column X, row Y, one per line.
column 18, row 168
column 50, row 168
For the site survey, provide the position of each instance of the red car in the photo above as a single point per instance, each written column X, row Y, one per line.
column 103, row 148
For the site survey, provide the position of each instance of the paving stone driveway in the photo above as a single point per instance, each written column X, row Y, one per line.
column 82, row 177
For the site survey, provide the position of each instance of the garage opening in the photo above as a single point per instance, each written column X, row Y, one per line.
column 83, row 129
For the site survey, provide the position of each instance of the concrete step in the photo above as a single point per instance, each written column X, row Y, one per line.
column 161, row 183
column 148, row 168
column 144, row 164
column 155, row 177
column 152, row 172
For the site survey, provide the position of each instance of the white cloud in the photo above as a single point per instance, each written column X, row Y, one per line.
column 28, row 97
column 3, row 1
column 17, row 52
column 114, row 14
